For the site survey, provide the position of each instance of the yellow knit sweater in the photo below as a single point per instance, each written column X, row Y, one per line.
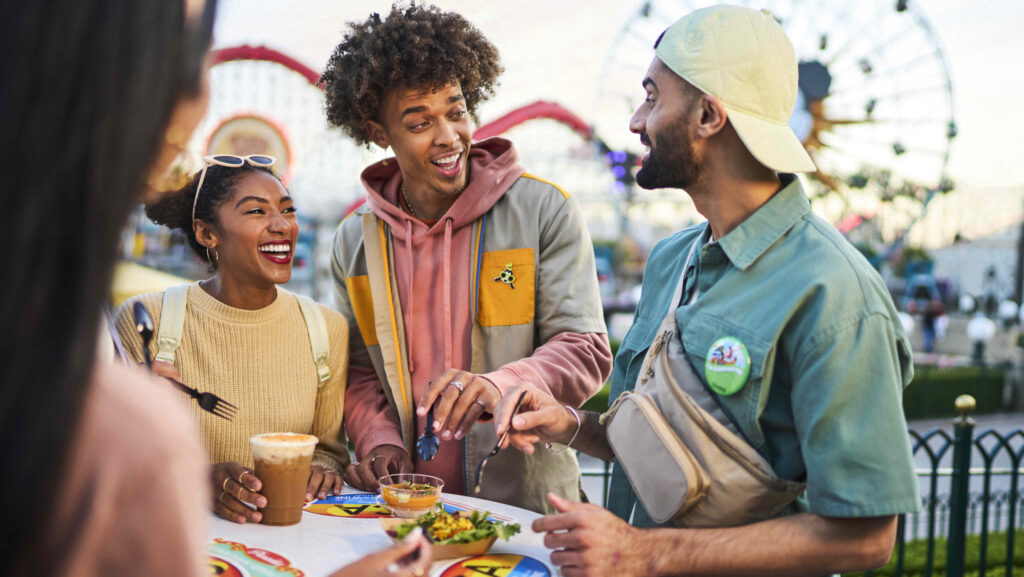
column 260, row 361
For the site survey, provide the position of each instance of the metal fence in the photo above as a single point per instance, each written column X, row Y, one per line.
column 972, row 484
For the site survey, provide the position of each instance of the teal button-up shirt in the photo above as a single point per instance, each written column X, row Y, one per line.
column 828, row 355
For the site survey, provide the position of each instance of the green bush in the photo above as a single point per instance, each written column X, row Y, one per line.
column 916, row 557
column 930, row 395
column 614, row 344
column 933, row 391
column 599, row 402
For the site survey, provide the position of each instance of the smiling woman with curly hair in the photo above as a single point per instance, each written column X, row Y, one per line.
column 466, row 252
column 414, row 46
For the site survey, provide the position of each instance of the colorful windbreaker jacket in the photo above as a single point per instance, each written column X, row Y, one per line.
column 503, row 285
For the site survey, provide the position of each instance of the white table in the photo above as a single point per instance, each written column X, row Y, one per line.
column 320, row 545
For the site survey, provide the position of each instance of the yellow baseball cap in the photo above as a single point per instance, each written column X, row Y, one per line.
column 742, row 57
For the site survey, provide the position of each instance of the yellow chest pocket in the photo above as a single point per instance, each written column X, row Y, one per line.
column 506, row 287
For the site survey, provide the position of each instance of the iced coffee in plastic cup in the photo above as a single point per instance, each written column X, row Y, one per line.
column 282, row 464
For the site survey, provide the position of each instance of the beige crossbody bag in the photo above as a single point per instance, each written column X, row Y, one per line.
column 687, row 462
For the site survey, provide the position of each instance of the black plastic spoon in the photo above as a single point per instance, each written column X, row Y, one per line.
column 144, row 324
column 428, row 442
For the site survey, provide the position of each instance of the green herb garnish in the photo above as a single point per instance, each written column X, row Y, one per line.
column 483, row 528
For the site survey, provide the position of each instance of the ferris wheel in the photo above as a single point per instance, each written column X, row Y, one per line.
column 264, row 101
column 875, row 108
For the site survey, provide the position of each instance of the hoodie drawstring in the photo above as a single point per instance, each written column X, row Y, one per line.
column 412, row 287
column 448, row 363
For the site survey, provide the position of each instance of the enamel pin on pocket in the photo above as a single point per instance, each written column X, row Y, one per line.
column 507, row 277
column 727, row 366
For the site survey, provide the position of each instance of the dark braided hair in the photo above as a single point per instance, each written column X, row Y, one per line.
column 174, row 210
column 415, row 46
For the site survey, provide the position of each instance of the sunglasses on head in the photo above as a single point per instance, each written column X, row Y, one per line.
column 230, row 161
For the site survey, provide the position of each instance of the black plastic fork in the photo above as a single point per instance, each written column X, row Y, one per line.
column 497, row 446
column 208, row 402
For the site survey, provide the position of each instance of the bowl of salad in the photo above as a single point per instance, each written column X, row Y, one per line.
column 455, row 534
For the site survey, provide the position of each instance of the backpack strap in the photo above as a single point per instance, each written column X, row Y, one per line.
column 318, row 340
column 172, row 319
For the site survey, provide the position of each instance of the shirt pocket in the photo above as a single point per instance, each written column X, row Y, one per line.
column 506, row 287
column 630, row 356
column 700, row 333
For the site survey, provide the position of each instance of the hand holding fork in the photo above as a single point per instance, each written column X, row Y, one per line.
column 498, row 445
column 539, row 418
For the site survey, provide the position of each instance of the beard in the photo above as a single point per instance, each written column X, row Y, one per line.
column 671, row 163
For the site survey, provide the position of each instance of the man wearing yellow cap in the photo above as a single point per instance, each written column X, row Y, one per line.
column 781, row 335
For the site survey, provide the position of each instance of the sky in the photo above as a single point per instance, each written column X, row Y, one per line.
column 554, row 50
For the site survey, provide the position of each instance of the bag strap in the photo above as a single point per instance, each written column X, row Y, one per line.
column 687, row 382
column 172, row 319
column 318, row 340
column 621, row 496
column 668, row 324
column 669, row 321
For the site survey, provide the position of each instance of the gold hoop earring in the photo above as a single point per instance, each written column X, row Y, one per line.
column 215, row 257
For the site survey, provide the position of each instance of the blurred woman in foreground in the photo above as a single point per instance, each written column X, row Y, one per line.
column 101, row 473
column 91, row 455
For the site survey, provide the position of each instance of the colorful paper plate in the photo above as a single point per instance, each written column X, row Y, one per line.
column 358, row 505
column 231, row 559
column 498, row 566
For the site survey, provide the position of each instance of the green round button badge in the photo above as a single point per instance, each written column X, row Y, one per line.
column 727, row 366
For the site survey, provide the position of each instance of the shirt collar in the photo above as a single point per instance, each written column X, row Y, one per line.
column 748, row 241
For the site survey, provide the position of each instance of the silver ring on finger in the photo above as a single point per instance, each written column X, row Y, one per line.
column 391, row 568
column 482, row 404
column 375, row 457
column 458, row 385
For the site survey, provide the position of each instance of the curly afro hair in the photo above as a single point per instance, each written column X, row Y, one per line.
column 415, row 46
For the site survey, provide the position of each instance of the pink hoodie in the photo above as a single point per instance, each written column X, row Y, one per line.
column 432, row 268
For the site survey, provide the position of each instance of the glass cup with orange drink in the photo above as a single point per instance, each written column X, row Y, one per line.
column 410, row 494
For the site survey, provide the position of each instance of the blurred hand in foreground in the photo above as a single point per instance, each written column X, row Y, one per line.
column 410, row 556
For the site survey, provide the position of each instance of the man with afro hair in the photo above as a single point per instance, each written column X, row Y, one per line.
column 462, row 275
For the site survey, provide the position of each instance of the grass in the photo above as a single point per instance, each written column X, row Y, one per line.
column 916, row 557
